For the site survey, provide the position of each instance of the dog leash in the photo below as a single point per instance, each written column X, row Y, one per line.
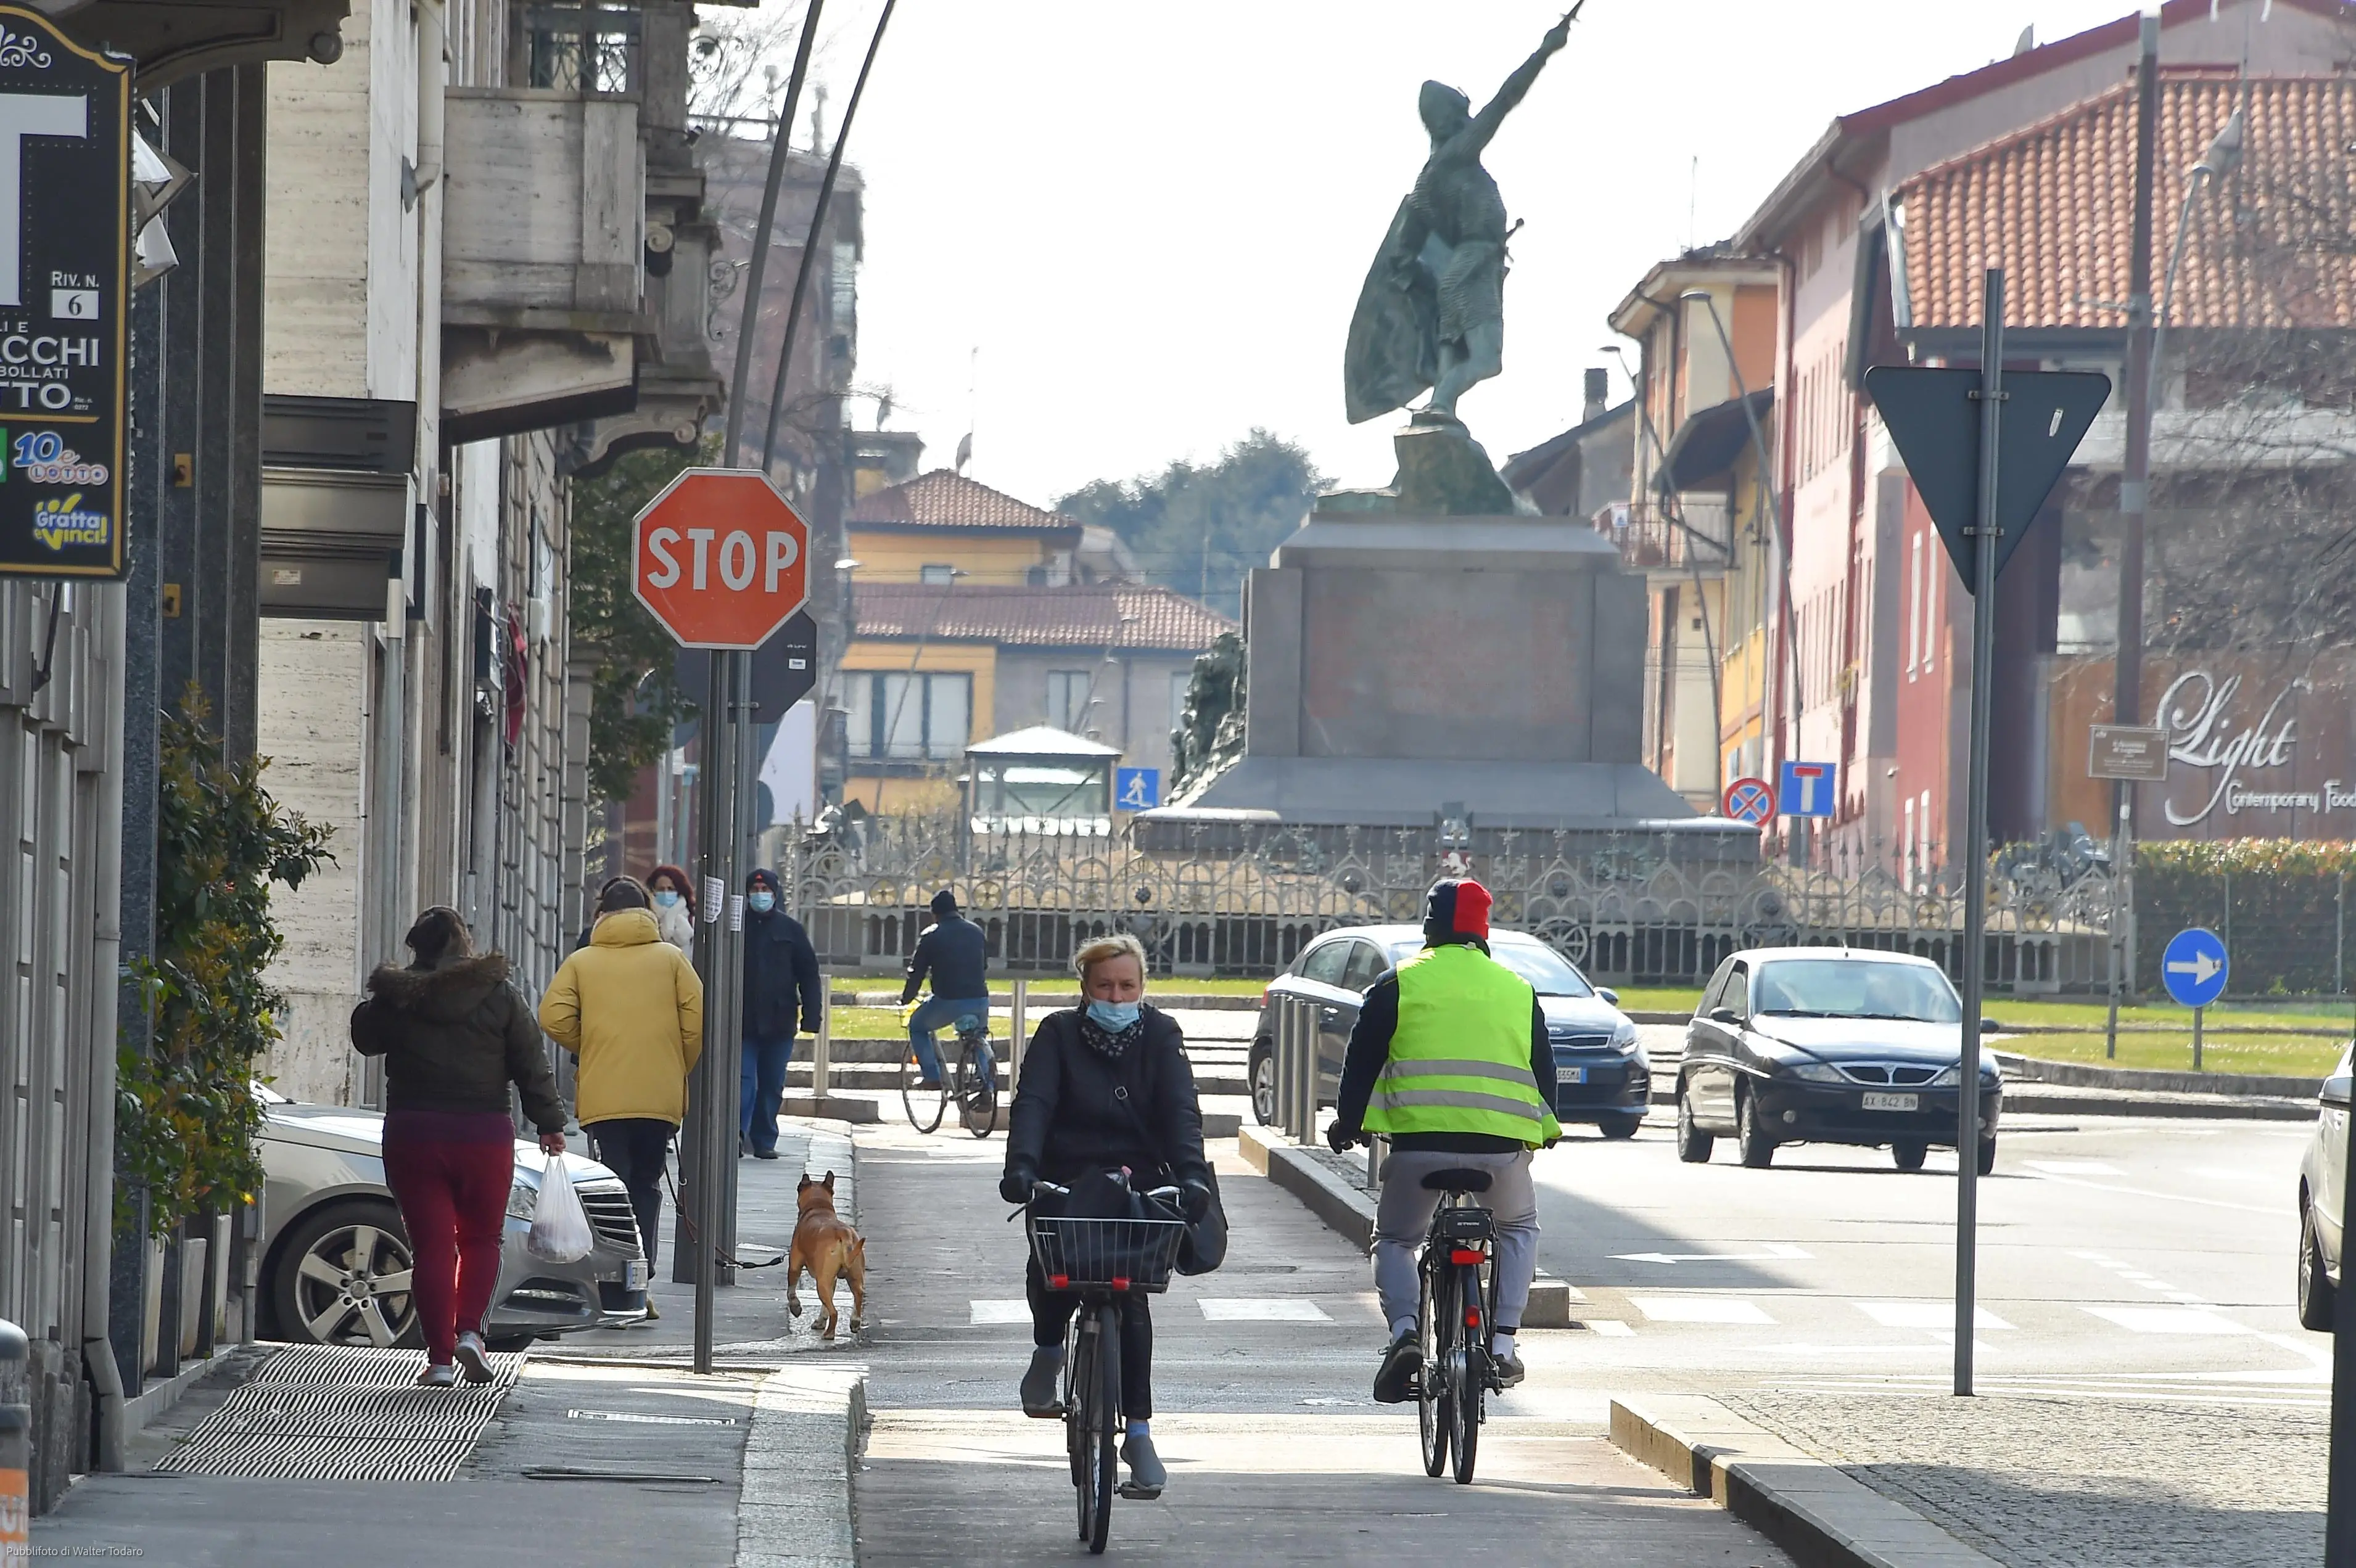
column 695, row 1235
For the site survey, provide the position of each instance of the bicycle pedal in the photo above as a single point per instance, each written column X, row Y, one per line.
column 1138, row 1494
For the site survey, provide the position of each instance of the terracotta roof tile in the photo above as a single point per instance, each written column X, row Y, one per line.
column 2268, row 245
column 1088, row 615
column 947, row 499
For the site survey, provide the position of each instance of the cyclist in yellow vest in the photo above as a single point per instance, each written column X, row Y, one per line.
column 1447, row 1059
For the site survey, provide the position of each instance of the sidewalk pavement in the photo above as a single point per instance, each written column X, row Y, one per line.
column 603, row 1450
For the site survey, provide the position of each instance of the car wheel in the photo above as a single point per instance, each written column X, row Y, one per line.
column 343, row 1278
column 1908, row 1153
column 1756, row 1144
column 1988, row 1157
column 1263, row 1082
column 2315, row 1288
column 1620, row 1126
column 1693, row 1143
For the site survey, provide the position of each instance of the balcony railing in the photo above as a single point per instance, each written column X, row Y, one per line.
column 1686, row 534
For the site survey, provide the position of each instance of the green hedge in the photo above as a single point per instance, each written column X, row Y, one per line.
column 2277, row 902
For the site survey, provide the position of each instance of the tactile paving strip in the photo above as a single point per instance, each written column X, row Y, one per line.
column 327, row 1412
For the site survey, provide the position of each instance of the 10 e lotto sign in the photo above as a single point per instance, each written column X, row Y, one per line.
column 65, row 249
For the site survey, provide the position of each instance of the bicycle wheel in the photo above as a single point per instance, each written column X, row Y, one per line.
column 981, row 1097
column 1431, row 1405
column 923, row 1105
column 1079, row 1386
column 1106, row 1425
column 1467, row 1370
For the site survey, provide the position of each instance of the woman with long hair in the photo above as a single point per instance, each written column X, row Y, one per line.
column 674, row 906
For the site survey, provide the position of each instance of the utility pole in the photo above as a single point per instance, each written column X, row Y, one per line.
column 2134, row 488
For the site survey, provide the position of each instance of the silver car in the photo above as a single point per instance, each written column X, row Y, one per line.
column 2322, row 1181
column 336, row 1260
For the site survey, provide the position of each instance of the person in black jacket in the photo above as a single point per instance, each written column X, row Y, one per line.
column 1105, row 1087
column 783, row 996
column 954, row 953
column 454, row 1034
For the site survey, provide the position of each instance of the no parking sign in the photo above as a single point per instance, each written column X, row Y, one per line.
column 1748, row 800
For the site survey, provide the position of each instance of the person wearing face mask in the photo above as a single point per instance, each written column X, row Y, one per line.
column 674, row 907
column 1105, row 1087
column 783, row 996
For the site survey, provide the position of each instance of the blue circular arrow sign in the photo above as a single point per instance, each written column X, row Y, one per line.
column 2194, row 967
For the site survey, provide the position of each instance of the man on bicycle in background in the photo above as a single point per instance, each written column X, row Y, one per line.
column 954, row 953
column 1450, row 1048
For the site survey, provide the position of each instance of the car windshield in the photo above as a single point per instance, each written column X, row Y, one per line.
column 1548, row 974
column 1854, row 988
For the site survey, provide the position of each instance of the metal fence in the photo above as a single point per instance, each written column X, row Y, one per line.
column 1629, row 909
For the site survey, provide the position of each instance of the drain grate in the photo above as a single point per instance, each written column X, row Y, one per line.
column 330, row 1412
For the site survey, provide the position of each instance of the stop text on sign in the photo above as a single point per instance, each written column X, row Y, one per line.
column 721, row 558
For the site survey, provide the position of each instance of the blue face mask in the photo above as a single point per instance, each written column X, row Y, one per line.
column 763, row 901
column 1113, row 1017
column 666, row 896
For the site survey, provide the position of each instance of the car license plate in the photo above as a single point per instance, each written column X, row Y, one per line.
column 1879, row 1102
column 1570, row 1074
column 633, row 1275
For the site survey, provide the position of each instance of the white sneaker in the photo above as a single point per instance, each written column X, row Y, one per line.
column 474, row 1358
column 443, row 1376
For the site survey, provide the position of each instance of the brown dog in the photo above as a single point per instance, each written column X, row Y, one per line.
column 827, row 1247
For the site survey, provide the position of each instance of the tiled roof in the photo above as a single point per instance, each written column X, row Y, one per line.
column 1089, row 615
column 945, row 498
column 2268, row 244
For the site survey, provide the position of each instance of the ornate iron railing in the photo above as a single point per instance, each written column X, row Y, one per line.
column 1627, row 909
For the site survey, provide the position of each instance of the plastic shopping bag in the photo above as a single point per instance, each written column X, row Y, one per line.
column 560, row 1226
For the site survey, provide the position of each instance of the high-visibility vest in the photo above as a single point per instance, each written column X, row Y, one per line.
column 1460, row 1059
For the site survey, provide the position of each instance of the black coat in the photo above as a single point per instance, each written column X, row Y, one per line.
column 955, row 953
column 453, row 1037
column 1066, row 1121
column 783, row 994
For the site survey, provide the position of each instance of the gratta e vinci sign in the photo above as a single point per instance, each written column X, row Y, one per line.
column 64, row 269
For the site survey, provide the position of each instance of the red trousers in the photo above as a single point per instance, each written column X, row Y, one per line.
column 454, row 1198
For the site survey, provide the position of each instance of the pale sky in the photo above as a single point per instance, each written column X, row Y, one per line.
column 1153, row 220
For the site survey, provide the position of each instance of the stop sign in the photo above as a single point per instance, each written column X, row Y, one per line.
column 721, row 558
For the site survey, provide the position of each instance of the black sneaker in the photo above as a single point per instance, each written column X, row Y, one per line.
column 1042, row 1391
column 1394, row 1379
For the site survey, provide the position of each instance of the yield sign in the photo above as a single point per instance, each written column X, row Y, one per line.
column 1934, row 416
column 721, row 558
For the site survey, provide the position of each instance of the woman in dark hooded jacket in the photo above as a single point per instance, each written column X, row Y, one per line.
column 454, row 1034
column 1105, row 1086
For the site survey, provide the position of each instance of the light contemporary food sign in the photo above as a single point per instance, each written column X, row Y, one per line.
column 65, row 250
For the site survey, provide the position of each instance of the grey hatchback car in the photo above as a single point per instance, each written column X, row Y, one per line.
column 336, row 1261
column 2322, row 1183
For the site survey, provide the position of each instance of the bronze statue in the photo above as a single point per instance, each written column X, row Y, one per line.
column 1432, row 311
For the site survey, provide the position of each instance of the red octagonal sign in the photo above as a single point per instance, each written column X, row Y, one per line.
column 721, row 558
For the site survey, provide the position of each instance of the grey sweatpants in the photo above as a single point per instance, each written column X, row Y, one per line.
column 1404, row 1215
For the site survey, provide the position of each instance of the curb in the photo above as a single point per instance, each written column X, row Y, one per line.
column 1349, row 1212
column 1812, row 1510
column 151, row 1404
column 2148, row 1079
column 794, row 1508
column 2119, row 1102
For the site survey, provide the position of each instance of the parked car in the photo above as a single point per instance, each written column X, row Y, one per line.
column 1601, row 1071
column 336, row 1260
column 2322, row 1183
column 1829, row 1045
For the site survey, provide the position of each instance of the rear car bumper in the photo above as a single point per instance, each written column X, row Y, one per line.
column 1830, row 1113
column 1611, row 1085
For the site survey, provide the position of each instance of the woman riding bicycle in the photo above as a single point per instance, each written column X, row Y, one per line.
column 1105, row 1087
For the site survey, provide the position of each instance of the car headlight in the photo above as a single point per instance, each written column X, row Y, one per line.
column 1816, row 1072
column 1624, row 1040
column 522, row 1198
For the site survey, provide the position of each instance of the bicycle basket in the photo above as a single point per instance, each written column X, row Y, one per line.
column 1075, row 1252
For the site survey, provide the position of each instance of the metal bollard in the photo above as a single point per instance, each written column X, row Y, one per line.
column 1018, row 1033
column 823, row 1048
column 1284, row 1064
column 15, row 1446
column 1305, row 1058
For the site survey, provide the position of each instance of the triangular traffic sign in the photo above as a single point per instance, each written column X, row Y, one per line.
column 1934, row 420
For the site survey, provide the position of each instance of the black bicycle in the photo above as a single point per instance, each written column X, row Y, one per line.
column 1458, row 1275
column 962, row 1080
column 1103, row 1260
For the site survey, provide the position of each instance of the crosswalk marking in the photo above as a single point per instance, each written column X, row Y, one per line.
column 1262, row 1310
column 1611, row 1328
column 2168, row 1320
column 996, row 1312
column 1699, row 1309
column 1925, row 1315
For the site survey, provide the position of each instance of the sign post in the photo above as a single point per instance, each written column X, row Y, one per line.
column 2195, row 968
column 2126, row 753
column 722, row 561
column 1949, row 426
column 65, row 296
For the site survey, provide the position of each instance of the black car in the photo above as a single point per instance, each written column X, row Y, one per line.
column 1601, row 1073
column 1826, row 1045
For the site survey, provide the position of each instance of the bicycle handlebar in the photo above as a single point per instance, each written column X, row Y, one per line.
column 1161, row 1194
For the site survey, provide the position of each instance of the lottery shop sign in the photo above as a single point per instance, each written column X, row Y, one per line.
column 65, row 271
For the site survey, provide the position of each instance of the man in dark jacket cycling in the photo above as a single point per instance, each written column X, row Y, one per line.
column 954, row 953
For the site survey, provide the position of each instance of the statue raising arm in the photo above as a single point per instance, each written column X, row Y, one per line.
column 1517, row 86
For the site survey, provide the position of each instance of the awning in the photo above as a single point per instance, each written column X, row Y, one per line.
column 1706, row 445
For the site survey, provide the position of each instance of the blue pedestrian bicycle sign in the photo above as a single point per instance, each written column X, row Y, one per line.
column 2194, row 968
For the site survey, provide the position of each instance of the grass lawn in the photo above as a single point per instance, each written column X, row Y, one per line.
column 2287, row 1055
